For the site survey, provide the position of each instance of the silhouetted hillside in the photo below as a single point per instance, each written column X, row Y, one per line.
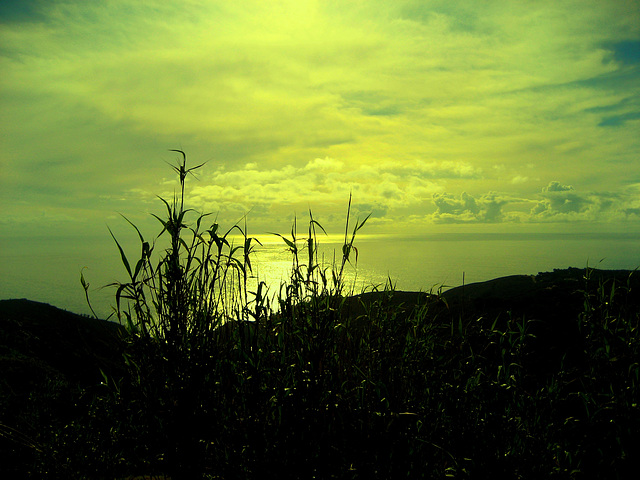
column 557, row 351
column 37, row 338
column 41, row 339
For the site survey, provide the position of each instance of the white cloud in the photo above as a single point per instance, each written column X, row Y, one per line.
column 322, row 183
column 297, row 104
column 557, row 187
column 563, row 203
column 519, row 179
column 468, row 209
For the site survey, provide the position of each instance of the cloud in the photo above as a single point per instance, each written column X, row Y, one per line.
column 323, row 184
column 20, row 11
column 297, row 104
column 450, row 205
column 556, row 187
column 467, row 209
column 555, row 203
column 518, row 179
column 448, row 169
column 562, row 203
column 617, row 120
column 627, row 51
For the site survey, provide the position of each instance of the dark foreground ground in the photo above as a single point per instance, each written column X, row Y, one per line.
column 44, row 348
column 38, row 340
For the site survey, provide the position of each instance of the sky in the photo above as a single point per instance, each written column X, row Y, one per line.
column 434, row 115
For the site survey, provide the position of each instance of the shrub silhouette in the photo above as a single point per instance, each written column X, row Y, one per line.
column 225, row 380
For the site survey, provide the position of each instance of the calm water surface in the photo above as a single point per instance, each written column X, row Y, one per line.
column 48, row 270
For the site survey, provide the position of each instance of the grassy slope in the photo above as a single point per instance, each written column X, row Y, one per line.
column 68, row 344
column 45, row 351
column 41, row 336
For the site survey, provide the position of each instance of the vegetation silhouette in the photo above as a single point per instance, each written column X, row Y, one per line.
column 218, row 378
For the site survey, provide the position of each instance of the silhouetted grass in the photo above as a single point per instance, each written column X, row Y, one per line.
column 225, row 380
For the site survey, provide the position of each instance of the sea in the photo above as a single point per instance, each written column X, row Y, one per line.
column 48, row 269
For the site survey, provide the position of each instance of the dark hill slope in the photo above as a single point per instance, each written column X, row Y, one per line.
column 45, row 355
column 43, row 338
column 547, row 295
column 550, row 304
column 38, row 339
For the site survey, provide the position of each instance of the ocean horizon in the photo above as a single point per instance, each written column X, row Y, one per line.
column 47, row 270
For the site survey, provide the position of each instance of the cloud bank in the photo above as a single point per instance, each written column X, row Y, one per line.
column 428, row 112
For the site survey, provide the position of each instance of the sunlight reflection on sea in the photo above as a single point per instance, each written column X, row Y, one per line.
column 48, row 269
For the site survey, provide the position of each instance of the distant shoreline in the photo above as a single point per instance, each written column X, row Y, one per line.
column 498, row 287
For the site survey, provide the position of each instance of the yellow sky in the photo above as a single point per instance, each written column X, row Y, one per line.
column 436, row 115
